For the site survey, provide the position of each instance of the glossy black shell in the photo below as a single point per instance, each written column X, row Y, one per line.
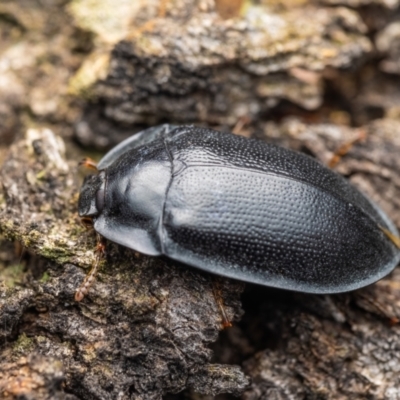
column 240, row 208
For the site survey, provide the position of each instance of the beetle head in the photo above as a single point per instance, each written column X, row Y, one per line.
column 91, row 197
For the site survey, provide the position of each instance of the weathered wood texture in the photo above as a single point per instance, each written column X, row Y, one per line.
column 309, row 76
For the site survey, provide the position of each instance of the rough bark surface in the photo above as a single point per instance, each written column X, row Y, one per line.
column 309, row 76
column 187, row 62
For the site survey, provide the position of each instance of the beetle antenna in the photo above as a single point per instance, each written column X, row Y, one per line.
column 89, row 279
column 226, row 323
column 88, row 163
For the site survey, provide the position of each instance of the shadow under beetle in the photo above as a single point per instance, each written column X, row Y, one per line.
column 239, row 208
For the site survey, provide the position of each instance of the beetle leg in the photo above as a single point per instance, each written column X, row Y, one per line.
column 395, row 239
column 88, row 163
column 216, row 288
column 84, row 288
column 345, row 148
column 240, row 124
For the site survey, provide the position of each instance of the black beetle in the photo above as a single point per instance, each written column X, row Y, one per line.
column 239, row 208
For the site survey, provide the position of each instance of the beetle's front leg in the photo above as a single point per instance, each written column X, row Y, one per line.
column 88, row 163
column 100, row 252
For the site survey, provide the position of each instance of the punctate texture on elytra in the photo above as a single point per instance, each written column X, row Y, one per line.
column 239, row 208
